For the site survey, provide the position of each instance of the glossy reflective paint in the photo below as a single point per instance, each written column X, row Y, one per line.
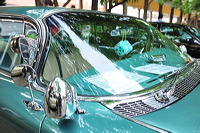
column 12, row 109
column 181, row 117
column 96, row 119
column 21, row 119
column 35, row 13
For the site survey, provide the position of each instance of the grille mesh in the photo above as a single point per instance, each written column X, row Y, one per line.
column 140, row 107
column 187, row 85
column 134, row 108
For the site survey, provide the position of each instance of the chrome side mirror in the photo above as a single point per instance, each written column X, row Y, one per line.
column 24, row 75
column 14, row 43
column 26, row 46
column 21, row 74
column 60, row 99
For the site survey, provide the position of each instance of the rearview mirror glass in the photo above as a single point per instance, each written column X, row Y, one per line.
column 21, row 74
column 26, row 46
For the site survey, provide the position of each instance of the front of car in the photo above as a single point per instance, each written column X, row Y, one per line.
column 103, row 72
column 119, row 63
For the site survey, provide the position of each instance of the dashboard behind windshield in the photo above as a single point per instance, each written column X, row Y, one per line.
column 106, row 54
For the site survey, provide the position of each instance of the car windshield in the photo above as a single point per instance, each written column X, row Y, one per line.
column 194, row 30
column 106, row 54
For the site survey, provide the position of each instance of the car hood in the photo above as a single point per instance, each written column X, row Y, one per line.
column 179, row 114
column 182, row 116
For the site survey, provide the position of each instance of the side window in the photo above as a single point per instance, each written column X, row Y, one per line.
column 174, row 33
column 8, row 59
column 170, row 32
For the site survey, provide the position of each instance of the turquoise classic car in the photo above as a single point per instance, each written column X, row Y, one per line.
column 66, row 70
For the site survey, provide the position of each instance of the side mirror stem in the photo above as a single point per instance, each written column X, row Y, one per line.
column 32, row 104
column 30, row 86
column 24, row 75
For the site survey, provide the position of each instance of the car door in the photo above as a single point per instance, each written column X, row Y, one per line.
column 14, row 115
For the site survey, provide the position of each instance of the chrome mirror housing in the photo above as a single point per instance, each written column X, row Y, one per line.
column 21, row 74
column 60, row 99
column 26, row 46
column 14, row 43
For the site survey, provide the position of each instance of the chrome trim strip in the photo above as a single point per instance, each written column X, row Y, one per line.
column 186, row 82
column 38, row 26
column 6, row 80
column 4, row 74
column 184, row 72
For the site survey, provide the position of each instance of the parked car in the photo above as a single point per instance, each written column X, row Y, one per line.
column 195, row 30
column 181, row 34
column 68, row 70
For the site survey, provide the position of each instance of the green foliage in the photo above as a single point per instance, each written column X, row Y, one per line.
column 176, row 3
column 161, row 2
column 2, row 3
column 196, row 6
column 187, row 6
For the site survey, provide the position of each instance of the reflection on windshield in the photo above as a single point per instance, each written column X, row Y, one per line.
column 102, row 59
column 194, row 30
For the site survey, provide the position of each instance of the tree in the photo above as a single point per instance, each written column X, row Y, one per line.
column 161, row 2
column 187, row 7
column 195, row 6
column 2, row 3
column 66, row 3
column 94, row 5
column 146, row 7
column 178, row 5
column 81, row 4
column 125, row 8
column 38, row 3
column 44, row 3
column 113, row 4
column 171, row 14
column 55, row 2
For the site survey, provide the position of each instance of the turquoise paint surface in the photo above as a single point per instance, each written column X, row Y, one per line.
column 34, row 12
column 97, row 119
column 12, row 106
column 180, row 117
column 183, row 116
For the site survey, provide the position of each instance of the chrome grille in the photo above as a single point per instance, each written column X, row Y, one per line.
column 132, row 109
column 147, row 105
column 187, row 85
